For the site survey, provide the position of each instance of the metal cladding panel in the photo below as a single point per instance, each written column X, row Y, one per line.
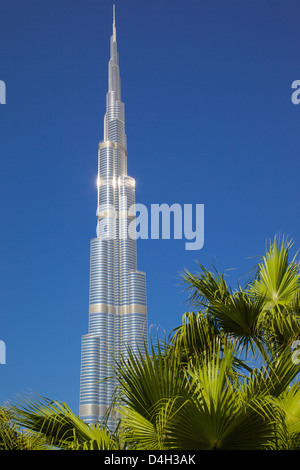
column 106, row 162
column 90, row 370
column 98, row 271
column 137, row 288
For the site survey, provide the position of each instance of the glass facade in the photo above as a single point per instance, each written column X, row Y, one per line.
column 117, row 297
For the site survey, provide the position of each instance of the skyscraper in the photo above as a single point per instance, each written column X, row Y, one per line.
column 117, row 297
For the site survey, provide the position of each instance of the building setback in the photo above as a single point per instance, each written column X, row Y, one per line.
column 117, row 295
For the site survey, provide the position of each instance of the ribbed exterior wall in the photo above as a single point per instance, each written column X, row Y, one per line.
column 117, row 295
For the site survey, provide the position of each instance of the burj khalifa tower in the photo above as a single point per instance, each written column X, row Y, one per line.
column 117, row 293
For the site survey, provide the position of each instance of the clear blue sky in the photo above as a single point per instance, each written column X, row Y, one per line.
column 209, row 119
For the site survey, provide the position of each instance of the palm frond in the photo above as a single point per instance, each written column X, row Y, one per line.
column 60, row 426
column 278, row 278
column 205, row 287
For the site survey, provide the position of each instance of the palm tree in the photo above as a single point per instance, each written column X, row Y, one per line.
column 200, row 390
column 264, row 315
column 203, row 404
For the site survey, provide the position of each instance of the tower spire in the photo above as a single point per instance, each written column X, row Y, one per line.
column 114, row 24
column 114, row 80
